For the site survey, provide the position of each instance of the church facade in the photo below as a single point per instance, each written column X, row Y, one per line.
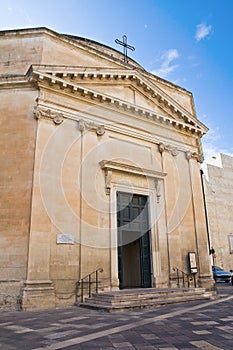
column 100, row 170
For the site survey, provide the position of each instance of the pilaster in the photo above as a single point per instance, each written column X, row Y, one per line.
column 205, row 274
column 38, row 291
column 38, row 295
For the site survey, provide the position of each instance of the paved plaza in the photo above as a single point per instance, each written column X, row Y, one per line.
column 204, row 325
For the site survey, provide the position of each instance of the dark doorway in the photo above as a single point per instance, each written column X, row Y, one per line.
column 134, row 262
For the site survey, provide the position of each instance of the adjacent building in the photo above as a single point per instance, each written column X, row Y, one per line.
column 219, row 202
column 100, row 169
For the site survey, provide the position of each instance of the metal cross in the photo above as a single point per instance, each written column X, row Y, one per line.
column 125, row 47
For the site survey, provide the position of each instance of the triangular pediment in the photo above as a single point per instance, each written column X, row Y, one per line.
column 94, row 70
column 124, row 88
column 127, row 92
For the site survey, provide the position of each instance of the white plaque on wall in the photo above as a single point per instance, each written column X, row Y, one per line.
column 65, row 238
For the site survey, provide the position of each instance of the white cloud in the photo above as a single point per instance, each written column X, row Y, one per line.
column 202, row 31
column 179, row 81
column 166, row 67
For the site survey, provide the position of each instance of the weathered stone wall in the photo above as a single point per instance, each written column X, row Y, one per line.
column 19, row 52
column 17, row 144
column 10, row 298
column 219, row 200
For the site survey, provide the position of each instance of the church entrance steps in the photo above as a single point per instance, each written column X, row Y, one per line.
column 128, row 299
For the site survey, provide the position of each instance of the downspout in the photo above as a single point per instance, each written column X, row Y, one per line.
column 205, row 208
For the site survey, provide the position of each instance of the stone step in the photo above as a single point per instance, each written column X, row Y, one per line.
column 116, row 297
column 144, row 298
column 148, row 292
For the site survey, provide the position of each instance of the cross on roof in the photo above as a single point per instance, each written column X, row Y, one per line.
column 125, row 47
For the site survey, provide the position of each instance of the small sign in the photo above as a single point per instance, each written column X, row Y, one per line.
column 192, row 262
column 65, row 238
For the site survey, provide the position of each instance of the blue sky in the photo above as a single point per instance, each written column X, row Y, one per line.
column 186, row 42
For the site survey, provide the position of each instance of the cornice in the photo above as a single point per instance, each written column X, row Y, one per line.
column 110, row 165
column 132, row 75
column 72, row 87
column 9, row 82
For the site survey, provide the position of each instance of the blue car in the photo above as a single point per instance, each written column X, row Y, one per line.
column 220, row 275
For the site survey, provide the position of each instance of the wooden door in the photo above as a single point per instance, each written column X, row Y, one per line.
column 134, row 253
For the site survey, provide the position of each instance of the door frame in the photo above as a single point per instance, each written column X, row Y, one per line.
column 143, row 239
column 152, row 215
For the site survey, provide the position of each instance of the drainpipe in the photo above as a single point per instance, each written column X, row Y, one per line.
column 205, row 208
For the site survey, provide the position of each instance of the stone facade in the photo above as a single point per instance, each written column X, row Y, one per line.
column 78, row 126
column 218, row 181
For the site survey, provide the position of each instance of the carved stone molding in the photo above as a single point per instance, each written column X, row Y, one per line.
column 110, row 166
column 199, row 158
column 174, row 151
column 108, row 179
column 72, row 82
column 81, row 125
column 158, row 189
column 40, row 113
column 194, row 155
column 188, row 155
column 171, row 149
column 58, row 118
column 161, row 147
column 91, row 126
column 100, row 130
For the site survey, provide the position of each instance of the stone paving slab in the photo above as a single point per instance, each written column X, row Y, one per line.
column 204, row 325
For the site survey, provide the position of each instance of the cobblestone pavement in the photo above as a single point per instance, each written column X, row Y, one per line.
column 204, row 325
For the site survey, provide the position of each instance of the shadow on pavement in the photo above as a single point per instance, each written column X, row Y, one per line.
column 224, row 288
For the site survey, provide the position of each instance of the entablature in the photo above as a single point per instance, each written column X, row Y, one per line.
column 81, row 74
column 72, row 87
column 85, row 124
